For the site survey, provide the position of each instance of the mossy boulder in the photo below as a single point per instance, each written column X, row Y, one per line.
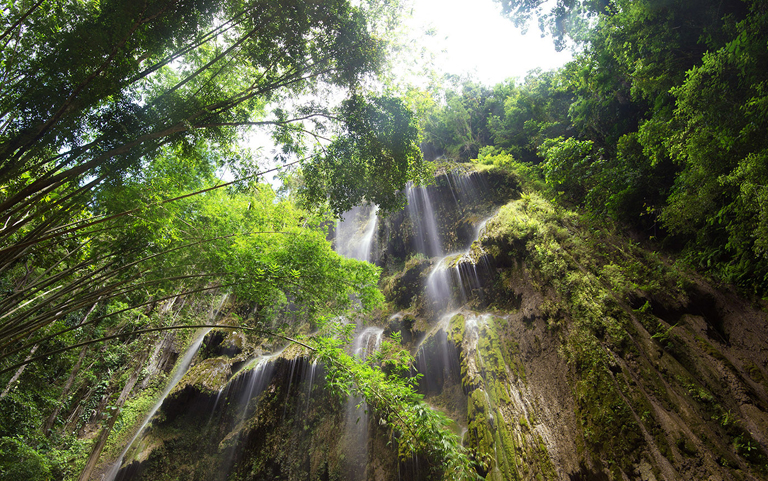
column 207, row 376
column 402, row 287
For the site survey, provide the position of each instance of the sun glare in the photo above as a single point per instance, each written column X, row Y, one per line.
column 471, row 37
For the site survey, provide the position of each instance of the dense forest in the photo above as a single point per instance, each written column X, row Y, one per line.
column 658, row 124
column 132, row 196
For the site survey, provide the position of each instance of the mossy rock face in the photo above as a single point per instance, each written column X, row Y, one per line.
column 456, row 329
column 460, row 198
column 225, row 342
column 406, row 326
column 644, row 339
column 479, row 435
column 235, row 343
column 403, row 287
column 394, row 240
column 503, row 433
column 209, row 375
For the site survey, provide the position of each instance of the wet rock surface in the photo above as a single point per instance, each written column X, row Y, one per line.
column 555, row 352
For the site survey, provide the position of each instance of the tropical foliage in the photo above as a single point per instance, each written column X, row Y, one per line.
column 658, row 123
column 119, row 122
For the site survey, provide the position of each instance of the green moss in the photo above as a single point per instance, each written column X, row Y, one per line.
column 209, row 375
column 588, row 273
column 544, row 462
column 685, row 446
column 479, row 435
column 456, row 329
column 754, row 372
column 506, row 450
column 510, row 450
column 500, row 394
column 505, row 460
column 490, row 350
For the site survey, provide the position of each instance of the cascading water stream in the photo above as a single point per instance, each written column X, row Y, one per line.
column 178, row 373
column 437, row 359
column 273, row 393
column 467, row 188
column 422, row 217
column 310, row 381
column 242, row 389
column 439, row 283
column 354, row 235
column 453, row 279
column 456, row 271
column 356, row 414
column 181, row 369
column 354, row 239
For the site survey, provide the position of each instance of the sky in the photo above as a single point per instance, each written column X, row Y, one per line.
column 472, row 37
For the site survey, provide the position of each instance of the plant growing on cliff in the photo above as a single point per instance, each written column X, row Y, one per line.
column 385, row 383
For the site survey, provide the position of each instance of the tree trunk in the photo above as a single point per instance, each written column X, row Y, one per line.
column 104, row 435
column 19, row 372
column 72, row 375
column 65, row 390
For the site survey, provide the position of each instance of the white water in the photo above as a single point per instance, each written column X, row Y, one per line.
column 439, row 283
column 354, row 235
column 178, row 373
column 422, row 217
column 257, row 378
column 367, row 342
column 354, row 238
column 356, row 415
column 312, row 372
column 463, row 277
column 464, row 188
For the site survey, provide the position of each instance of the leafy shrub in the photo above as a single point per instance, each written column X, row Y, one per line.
column 20, row 461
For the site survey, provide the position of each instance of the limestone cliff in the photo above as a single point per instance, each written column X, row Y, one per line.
column 562, row 350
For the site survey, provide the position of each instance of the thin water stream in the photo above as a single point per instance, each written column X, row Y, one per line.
column 178, row 373
column 356, row 414
column 455, row 275
column 355, row 234
column 422, row 217
column 181, row 368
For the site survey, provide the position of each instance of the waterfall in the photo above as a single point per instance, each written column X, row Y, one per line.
column 422, row 217
column 311, row 379
column 365, row 343
column 440, row 284
column 437, row 358
column 257, row 376
column 248, row 382
column 354, row 234
column 354, row 238
column 467, row 188
column 274, row 414
column 456, row 273
column 178, row 373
